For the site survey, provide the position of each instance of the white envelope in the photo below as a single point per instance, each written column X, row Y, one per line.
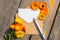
column 28, row 14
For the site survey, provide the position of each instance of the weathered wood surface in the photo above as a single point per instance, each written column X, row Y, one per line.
column 8, row 9
column 50, row 18
column 55, row 33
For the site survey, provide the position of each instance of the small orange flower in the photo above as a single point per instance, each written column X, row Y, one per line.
column 43, row 5
column 18, row 27
column 12, row 26
column 35, row 5
column 45, row 12
column 43, row 8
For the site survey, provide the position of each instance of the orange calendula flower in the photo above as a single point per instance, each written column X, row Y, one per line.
column 45, row 12
column 19, row 27
column 35, row 5
column 41, row 16
column 43, row 5
column 19, row 34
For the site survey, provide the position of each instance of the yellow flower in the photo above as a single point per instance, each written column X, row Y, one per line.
column 41, row 16
column 19, row 34
column 18, row 20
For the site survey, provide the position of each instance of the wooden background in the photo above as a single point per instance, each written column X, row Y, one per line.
column 8, row 9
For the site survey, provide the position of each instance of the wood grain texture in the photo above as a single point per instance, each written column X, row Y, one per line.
column 55, row 34
column 36, row 37
column 26, row 3
column 8, row 9
column 52, row 12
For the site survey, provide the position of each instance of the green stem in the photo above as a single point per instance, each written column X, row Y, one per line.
column 9, row 36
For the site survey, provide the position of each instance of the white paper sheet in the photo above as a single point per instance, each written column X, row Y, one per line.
column 28, row 14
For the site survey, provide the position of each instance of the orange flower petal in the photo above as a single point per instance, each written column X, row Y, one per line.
column 45, row 12
column 24, row 29
column 43, row 5
column 35, row 5
column 19, row 27
column 12, row 26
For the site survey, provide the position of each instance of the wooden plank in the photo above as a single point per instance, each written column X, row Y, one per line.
column 26, row 3
column 52, row 12
column 36, row 37
column 56, row 28
column 8, row 9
